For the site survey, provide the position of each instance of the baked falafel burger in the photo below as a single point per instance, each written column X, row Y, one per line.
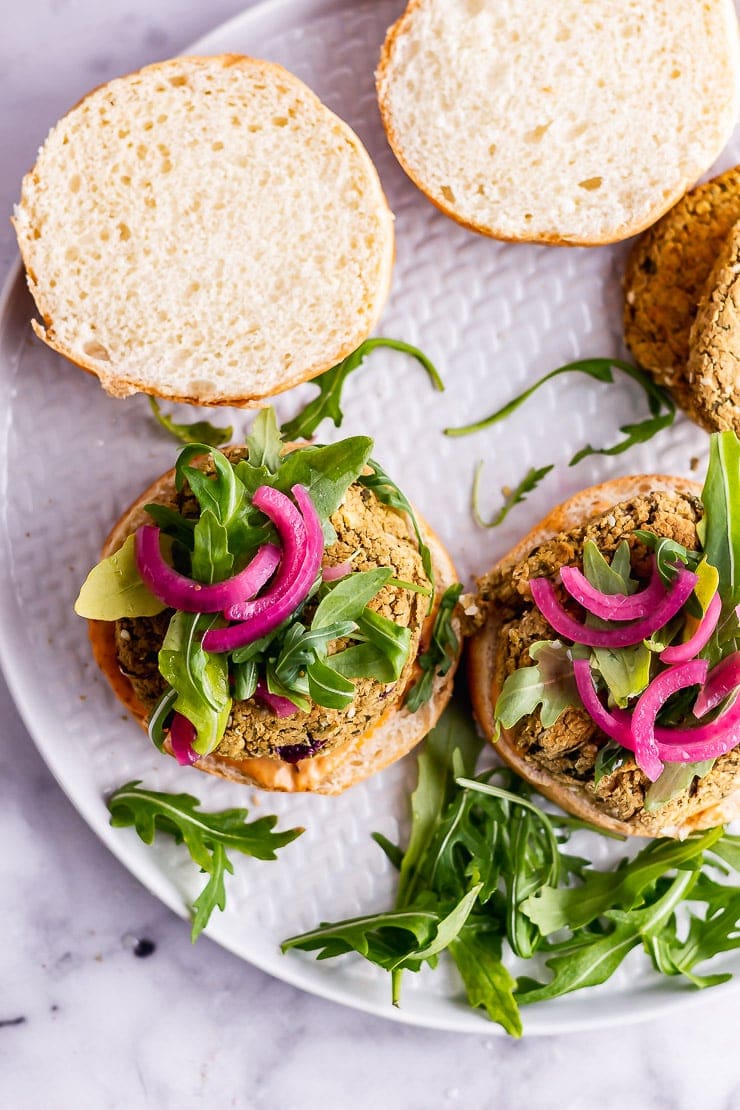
column 277, row 617
column 606, row 668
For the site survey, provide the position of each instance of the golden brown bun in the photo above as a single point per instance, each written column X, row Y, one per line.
column 393, row 736
column 573, row 797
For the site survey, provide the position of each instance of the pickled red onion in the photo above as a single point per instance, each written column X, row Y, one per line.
column 281, row 707
column 650, row 703
column 682, row 653
column 186, row 594
column 722, row 680
column 182, row 738
column 675, row 745
column 303, row 547
column 544, row 597
column 612, row 607
column 341, row 570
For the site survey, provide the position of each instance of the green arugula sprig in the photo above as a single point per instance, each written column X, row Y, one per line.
column 208, row 837
column 529, row 482
column 328, row 403
column 441, row 653
column 661, row 405
column 485, row 872
column 199, row 431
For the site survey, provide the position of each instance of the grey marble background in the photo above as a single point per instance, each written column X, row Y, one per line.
column 87, row 1019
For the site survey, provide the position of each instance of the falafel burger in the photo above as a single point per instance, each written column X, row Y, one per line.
column 278, row 617
column 606, row 668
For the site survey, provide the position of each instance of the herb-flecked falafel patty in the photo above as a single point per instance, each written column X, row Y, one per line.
column 372, row 535
column 568, row 750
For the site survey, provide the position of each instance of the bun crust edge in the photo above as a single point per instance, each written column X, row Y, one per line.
column 392, row 736
column 574, row 798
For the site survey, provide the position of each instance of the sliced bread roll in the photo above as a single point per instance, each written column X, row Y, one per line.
column 205, row 230
column 391, row 736
column 576, row 122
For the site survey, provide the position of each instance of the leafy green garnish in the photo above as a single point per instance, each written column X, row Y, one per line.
column 611, row 756
column 484, row 871
column 548, row 684
column 660, row 403
column 529, row 482
column 113, row 589
column 667, row 554
column 674, row 779
column 388, row 493
column 207, row 836
column 441, row 653
column 721, row 538
column 328, row 403
column 200, row 678
column 200, row 431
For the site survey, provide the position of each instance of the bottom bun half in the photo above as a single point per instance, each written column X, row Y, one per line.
column 392, row 736
column 574, row 797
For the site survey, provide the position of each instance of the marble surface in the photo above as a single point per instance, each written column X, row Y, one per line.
column 104, row 1002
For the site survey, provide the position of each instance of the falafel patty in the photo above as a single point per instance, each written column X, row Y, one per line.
column 375, row 535
column 568, row 750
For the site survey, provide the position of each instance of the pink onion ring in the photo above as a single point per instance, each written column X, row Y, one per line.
column 182, row 738
column 650, row 703
column 675, row 745
column 682, row 653
column 544, row 597
column 341, row 570
column 303, row 546
column 613, row 607
column 190, row 596
column 722, row 680
column 281, row 707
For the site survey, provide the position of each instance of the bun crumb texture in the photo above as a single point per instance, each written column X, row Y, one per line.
column 205, row 230
column 578, row 122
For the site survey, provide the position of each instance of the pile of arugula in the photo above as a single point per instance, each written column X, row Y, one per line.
column 484, row 876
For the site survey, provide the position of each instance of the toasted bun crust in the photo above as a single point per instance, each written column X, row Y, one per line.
column 524, row 122
column 574, row 798
column 205, row 230
column 393, row 736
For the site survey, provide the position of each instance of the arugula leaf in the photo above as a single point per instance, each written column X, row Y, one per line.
column 200, row 678
column 602, row 891
column 346, row 599
column 667, row 553
column 328, row 687
column 611, row 756
column 200, row 431
column 674, row 779
column 614, row 578
column 721, row 539
column 394, row 640
column 211, row 560
column 488, row 983
column 301, row 647
column 441, row 653
column 114, row 589
column 388, row 493
column 159, row 716
column 173, row 524
column 364, row 660
column 660, row 404
column 207, row 836
column 245, row 679
column 326, row 472
column 589, row 960
column 529, row 482
column 264, row 441
column 549, row 684
column 328, row 403
column 626, row 671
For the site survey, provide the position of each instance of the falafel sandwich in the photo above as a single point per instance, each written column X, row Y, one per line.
column 279, row 618
column 606, row 665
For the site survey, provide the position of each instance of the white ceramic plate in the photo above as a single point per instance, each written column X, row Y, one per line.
column 493, row 316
